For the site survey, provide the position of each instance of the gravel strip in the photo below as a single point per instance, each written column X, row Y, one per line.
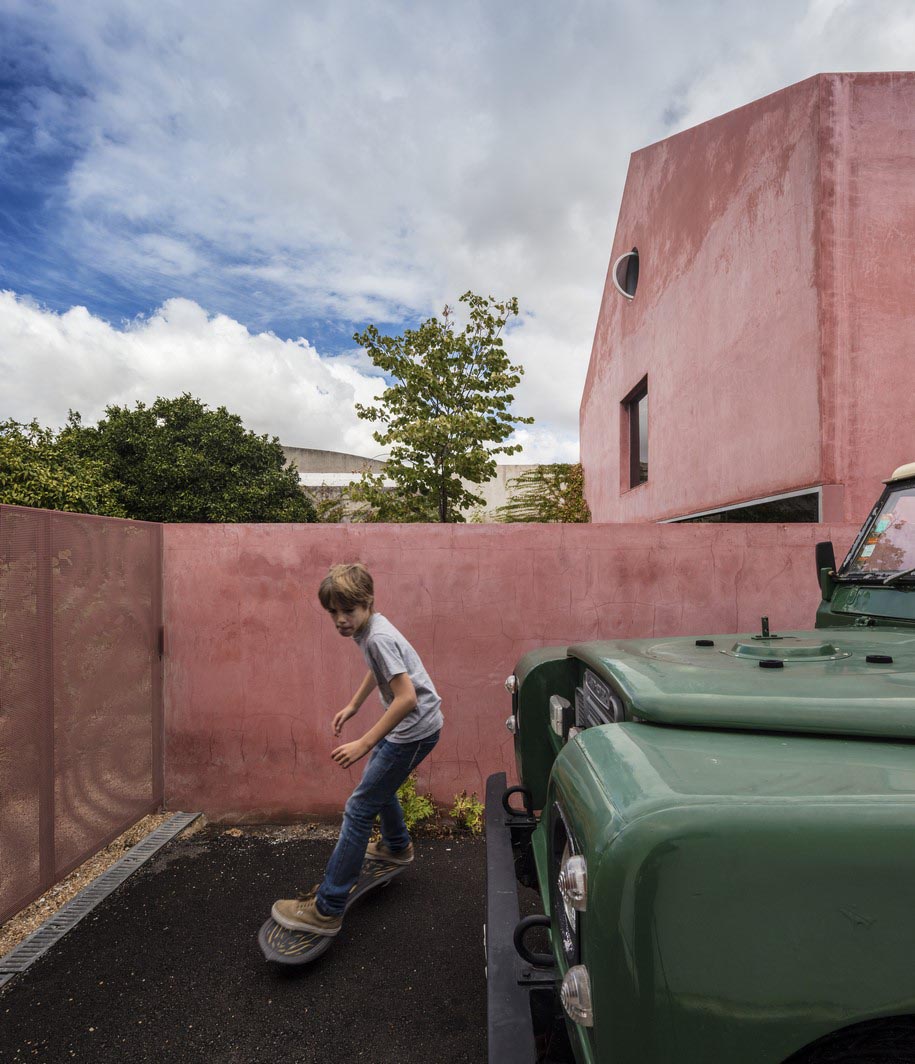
column 34, row 915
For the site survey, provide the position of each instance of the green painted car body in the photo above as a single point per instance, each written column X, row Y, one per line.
column 747, row 822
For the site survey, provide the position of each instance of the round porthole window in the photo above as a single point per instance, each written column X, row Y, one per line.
column 625, row 273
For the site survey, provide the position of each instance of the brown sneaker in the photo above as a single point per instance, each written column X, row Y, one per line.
column 302, row 914
column 378, row 851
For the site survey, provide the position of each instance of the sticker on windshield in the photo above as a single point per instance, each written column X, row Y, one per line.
column 883, row 524
column 868, row 550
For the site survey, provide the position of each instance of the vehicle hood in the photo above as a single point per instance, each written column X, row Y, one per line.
column 824, row 682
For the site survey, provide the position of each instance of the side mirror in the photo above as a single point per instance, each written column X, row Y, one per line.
column 826, row 567
column 826, row 556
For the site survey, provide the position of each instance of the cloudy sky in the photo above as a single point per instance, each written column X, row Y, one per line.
column 213, row 196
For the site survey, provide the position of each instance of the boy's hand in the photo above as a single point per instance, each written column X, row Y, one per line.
column 342, row 717
column 350, row 753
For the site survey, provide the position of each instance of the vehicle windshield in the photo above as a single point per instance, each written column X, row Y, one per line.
column 888, row 544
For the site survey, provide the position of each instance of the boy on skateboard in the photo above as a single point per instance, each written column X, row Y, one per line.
column 406, row 732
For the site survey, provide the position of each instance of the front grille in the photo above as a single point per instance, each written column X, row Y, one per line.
column 595, row 703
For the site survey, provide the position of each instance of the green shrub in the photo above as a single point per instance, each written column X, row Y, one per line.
column 43, row 469
column 467, row 812
column 547, row 493
column 416, row 807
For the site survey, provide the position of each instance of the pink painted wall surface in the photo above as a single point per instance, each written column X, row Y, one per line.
column 773, row 314
column 867, row 281
column 255, row 671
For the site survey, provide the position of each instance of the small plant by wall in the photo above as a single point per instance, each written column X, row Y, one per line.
column 416, row 807
column 467, row 812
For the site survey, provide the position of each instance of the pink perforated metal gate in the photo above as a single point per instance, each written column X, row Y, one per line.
column 80, row 690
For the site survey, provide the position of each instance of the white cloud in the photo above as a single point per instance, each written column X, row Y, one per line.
column 55, row 362
column 544, row 446
column 371, row 162
column 51, row 362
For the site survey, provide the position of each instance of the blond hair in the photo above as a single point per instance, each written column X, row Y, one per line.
column 346, row 586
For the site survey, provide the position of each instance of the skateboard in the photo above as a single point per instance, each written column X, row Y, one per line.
column 283, row 946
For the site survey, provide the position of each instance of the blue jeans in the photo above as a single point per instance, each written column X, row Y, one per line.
column 388, row 766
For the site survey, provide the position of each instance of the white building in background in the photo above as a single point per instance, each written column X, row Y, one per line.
column 324, row 474
column 496, row 492
column 311, row 463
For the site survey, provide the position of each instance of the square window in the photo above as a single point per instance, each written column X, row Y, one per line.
column 635, row 406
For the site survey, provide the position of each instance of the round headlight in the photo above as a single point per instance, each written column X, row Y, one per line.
column 575, row 995
column 511, row 684
column 512, row 724
column 573, row 882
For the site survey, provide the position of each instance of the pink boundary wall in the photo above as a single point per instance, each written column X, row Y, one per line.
column 255, row 671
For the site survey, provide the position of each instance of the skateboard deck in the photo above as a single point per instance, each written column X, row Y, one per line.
column 280, row 944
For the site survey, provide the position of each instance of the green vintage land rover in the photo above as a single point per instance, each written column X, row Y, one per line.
column 722, row 833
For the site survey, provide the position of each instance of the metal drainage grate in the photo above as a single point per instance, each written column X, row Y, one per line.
column 56, row 926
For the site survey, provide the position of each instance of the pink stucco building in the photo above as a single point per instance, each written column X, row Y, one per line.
column 772, row 313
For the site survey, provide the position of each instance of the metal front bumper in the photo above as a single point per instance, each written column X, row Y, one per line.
column 509, row 979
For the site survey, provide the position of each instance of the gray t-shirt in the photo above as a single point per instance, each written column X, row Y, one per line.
column 387, row 653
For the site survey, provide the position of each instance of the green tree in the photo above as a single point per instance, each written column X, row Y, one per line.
column 178, row 460
column 39, row 468
column 547, row 493
column 329, row 503
column 445, row 416
column 371, row 500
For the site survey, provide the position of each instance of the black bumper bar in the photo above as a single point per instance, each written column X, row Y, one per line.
column 509, row 979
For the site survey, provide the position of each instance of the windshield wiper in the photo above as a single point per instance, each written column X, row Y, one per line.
column 863, row 578
column 893, row 577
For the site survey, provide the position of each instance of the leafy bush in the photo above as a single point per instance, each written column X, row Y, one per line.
column 178, row 460
column 547, row 493
column 40, row 468
column 416, row 807
column 467, row 812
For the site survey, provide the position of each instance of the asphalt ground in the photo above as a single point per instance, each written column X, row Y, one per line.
column 168, row 969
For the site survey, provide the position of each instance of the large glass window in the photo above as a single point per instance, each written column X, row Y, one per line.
column 795, row 508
